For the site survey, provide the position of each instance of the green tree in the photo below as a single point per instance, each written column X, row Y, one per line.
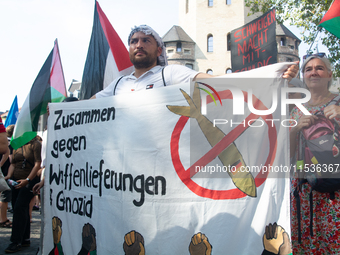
column 306, row 15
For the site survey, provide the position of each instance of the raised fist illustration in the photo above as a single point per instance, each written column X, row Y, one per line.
column 134, row 243
column 56, row 228
column 89, row 237
column 276, row 240
column 200, row 245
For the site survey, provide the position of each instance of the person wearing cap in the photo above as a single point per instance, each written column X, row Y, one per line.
column 148, row 55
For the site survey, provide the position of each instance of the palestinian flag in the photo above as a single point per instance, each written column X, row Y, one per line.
column 49, row 86
column 107, row 57
column 331, row 20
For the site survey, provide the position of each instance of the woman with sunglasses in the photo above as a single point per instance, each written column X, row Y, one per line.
column 317, row 77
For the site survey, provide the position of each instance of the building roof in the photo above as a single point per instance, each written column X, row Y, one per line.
column 75, row 85
column 283, row 30
column 4, row 114
column 176, row 34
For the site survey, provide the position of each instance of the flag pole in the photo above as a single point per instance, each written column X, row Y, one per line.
column 316, row 34
column 319, row 29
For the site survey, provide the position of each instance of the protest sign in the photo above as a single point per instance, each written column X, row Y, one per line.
column 254, row 44
column 119, row 175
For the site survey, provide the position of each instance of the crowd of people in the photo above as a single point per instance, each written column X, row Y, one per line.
column 147, row 53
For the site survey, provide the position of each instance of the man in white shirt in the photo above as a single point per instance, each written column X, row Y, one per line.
column 148, row 55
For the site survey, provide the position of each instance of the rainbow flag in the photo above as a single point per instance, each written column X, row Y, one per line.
column 331, row 20
column 49, row 86
column 107, row 57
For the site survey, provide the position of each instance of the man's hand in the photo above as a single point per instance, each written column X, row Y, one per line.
column 48, row 109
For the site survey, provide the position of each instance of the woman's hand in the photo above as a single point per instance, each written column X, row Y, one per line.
column 36, row 188
column 305, row 121
column 21, row 183
column 332, row 111
column 292, row 71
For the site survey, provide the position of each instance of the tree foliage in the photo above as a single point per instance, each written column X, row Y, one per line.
column 306, row 15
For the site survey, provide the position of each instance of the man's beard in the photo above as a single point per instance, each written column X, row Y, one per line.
column 147, row 61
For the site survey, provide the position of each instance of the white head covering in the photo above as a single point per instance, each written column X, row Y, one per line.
column 162, row 59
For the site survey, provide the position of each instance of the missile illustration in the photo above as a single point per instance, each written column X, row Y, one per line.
column 230, row 157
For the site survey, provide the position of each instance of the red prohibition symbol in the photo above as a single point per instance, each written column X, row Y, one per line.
column 184, row 174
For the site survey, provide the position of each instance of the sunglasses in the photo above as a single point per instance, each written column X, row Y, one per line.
column 320, row 54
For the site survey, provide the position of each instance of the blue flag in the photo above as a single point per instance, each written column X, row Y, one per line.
column 13, row 113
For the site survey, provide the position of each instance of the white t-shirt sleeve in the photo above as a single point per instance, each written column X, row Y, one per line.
column 179, row 74
column 108, row 91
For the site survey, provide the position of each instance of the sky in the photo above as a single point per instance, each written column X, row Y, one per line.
column 29, row 28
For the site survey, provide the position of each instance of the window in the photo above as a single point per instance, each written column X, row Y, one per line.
column 210, row 43
column 228, row 42
column 170, row 51
column 209, row 71
column 296, row 44
column 210, row 3
column 283, row 41
column 179, row 47
column 228, row 70
column 191, row 66
column 187, row 52
column 289, row 60
column 228, row 2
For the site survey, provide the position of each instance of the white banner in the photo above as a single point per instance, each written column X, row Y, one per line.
column 118, row 178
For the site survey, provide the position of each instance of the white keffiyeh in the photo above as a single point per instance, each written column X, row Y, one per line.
column 162, row 59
